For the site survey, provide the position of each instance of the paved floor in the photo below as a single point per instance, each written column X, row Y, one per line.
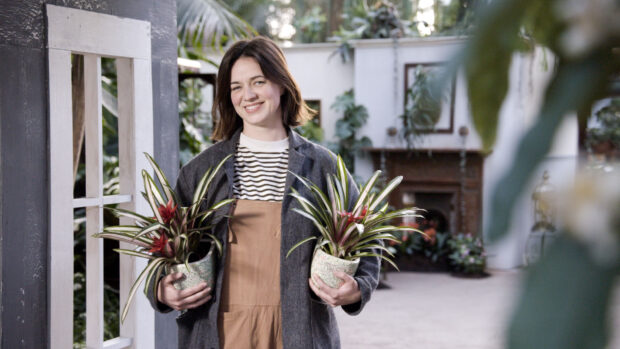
column 438, row 311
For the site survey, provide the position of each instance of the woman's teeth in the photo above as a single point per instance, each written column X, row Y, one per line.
column 251, row 108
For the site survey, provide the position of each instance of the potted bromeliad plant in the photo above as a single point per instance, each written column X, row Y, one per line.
column 346, row 236
column 175, row 238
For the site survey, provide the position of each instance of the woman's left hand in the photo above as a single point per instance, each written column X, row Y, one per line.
column 347, row 293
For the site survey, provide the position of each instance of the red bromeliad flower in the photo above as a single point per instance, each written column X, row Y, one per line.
column 161, row 246
column 351, row 218
column 167, row 212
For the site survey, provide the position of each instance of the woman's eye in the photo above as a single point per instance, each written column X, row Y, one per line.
column 259, row 82
column 234, row 88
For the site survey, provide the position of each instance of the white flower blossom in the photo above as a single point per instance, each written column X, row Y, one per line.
column 589, row 24
column 592, row 213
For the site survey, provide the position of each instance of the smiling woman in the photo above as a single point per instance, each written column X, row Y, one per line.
column 261, row 298
column 256, row 100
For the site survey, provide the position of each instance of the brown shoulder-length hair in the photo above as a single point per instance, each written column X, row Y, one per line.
column 271, row 60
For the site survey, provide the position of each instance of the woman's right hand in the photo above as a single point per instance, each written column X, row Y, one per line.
column 182, row 299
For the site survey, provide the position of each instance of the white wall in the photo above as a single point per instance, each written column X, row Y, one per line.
column 528, row 79
column 380, row 87
column 320, row 77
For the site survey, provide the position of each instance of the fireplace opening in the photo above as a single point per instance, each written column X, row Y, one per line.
column 437, row 209
column 434, row 219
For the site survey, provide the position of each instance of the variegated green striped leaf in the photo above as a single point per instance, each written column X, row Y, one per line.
column 162, row 179
column 150, row 267
column 385, row 192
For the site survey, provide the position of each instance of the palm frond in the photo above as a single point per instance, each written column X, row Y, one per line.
column 209, row 23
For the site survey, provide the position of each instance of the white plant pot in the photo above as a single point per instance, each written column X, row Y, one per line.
column 324, row 266
column 199, row 271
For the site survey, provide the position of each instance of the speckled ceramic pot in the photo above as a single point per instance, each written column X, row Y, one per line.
column 199, row 271
column 324, row 266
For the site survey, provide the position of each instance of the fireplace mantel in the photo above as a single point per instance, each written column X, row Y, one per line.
column 422, row 151
column 437, row 179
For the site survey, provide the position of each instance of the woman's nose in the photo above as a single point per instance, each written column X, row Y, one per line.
column 249, row 94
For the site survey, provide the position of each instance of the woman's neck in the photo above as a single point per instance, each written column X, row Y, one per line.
column 265, row 133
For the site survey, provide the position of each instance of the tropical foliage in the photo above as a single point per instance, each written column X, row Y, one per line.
column 208, row 23
column 354, row 117
column 362, row 21
column 468, row 255
column 423, row 105
column 173, row 235
column 195, row 123
column 431, row 245
column 605, row 137
column 311, row 26
column 354, row 233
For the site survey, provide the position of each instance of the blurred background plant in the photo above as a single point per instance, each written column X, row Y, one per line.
column 311, row 26
column 422, row 105
column 467, row 254
column 583, row 38
column 604, row 138
column 354, row 117
column 196, row 123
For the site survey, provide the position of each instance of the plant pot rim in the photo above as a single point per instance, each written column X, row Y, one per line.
column 329, row 256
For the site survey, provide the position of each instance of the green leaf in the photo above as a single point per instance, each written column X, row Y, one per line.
column 204, row 183
column 385, row 192
column 150, row 195
column 118, row 212
column 128, row 238
column 134, row 253
column 487, row 60
column 209, row 22
column 135, row 285
column 366, row 190
column 162, row 178
column 566, row 301
column 299, row 244
column 151, row 228
column 344, row 182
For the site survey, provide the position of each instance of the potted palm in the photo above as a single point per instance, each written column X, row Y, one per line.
column 346, row 236
column 172, row 240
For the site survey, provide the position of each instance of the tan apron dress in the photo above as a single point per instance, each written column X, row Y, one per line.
column 250, row 313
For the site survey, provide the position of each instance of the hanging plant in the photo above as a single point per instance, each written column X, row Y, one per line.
column 423, row 106
column 354, row 117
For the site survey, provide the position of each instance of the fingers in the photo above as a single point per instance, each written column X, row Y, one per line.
column 192, row 290
column 323, row 291
column 182, row 299
column 343, row 276
column 198, row 302
column 196, row 296
column 170, row 278
column 347, row 293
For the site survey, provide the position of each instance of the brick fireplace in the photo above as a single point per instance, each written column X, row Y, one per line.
column 435, row 181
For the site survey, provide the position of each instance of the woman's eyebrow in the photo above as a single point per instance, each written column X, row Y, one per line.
column 252, row 78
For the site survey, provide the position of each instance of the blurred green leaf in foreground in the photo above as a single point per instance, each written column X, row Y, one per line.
column 566, row 297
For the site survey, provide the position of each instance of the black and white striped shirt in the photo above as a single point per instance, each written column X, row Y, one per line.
column 260, row 169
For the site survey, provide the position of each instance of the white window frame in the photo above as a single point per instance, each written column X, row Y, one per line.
column 95, row 35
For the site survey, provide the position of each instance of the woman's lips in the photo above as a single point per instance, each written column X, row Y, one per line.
column 252, row 108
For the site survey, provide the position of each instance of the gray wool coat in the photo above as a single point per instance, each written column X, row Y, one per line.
column 307, row 322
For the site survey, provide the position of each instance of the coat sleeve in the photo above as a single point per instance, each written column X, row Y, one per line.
column 367, row 275
column 183, row 194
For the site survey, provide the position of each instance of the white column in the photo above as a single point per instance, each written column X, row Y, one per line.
column 135, row 124
column 61, row 196
column 94, row 189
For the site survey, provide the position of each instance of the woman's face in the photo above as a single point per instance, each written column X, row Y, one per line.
column 256, row 99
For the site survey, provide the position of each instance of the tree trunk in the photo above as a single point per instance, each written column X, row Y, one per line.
column 334, row 19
